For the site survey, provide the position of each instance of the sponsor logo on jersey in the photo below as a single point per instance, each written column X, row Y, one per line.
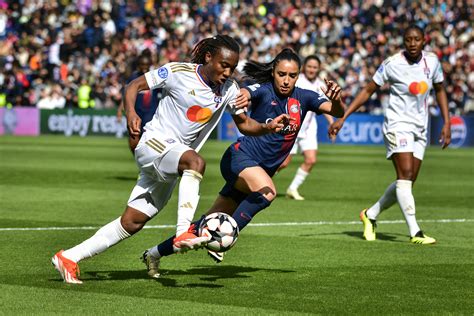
column 416, row 88
column 458, row 131
column 162, row 72
column 198, row 114
column 218, row 99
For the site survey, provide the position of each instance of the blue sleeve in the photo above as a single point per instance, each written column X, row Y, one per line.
column 314, row 100
column 256, row 92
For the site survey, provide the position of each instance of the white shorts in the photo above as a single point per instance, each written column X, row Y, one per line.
column 309, row 142
column 405, row 142
column 158, row 159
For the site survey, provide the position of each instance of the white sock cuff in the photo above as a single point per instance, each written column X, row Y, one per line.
column 122, row 233
column 302, row 172
column 192, row 173
column 404, row 184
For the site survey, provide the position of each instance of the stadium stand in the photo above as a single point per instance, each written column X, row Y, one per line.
column 48, row 49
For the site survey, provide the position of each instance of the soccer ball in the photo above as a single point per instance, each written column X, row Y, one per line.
column 222, row 229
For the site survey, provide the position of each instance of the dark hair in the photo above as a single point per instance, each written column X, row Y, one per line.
column 212, row 45
column 311, row 57
column 262, row 72
column 414, row 27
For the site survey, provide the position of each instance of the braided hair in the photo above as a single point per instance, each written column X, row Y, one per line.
column 262, row 72
column 212, row 45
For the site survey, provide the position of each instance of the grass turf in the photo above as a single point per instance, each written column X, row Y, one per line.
column 320, row 266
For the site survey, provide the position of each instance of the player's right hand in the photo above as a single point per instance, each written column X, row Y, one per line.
column 279, row 122
column 335, row 127
column 133, row 125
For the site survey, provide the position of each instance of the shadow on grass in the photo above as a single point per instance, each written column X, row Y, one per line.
column 124, row 178
column 380, row 236
column 170, row 277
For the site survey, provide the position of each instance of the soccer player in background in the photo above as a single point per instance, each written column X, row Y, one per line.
column 307, row 139
column 249, row 164
column 196, row 95
column 410, row 73
column 146, row 102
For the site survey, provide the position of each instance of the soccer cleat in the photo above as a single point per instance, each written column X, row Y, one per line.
column 294, row 194
column 68, row 269
column 152, row 265
column 217, row 256
column 369, row 225
column 421, row 239
column 189, row 240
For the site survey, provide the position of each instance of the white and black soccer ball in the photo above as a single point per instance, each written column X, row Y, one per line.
column 222, row 229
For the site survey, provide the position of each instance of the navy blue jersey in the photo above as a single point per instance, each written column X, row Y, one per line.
column 270, row 150
column 146, row 102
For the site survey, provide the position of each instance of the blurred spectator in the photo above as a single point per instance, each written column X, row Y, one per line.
column 43, row 43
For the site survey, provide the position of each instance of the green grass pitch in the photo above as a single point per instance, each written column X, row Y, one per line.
column 309, row 259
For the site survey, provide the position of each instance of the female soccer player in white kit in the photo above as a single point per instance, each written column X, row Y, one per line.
column 195, row 97
column 411, row 74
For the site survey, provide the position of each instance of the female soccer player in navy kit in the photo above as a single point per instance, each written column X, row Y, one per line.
column 249, row 164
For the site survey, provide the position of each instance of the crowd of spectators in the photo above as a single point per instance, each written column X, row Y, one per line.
column 55, row 53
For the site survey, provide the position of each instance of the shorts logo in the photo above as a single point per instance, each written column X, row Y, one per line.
column 403, row 142
column 199, row 114
column 170, row 140
column 162, row 72
column 418, row 87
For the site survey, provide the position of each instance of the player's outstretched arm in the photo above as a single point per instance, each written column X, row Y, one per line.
column 445, row 138
column 131, row 92
column 360, row 99
column 250, row 127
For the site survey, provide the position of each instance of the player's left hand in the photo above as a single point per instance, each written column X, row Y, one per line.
column 332, row 90
column 445, row 138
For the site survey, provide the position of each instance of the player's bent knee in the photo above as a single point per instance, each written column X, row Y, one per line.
column 133, row 220
column 191, row 160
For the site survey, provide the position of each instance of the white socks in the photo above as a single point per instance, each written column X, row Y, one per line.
column 298, row 179
column 104, row 238
column 386, row 200
column 407, row 204
column 188, row 199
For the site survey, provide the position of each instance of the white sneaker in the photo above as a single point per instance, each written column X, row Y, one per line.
column 217, row 256
column 152, row 265
column 294, row 194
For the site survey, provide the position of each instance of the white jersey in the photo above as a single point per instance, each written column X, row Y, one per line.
column 410, row 84
column 189, row 109
column 309, row 122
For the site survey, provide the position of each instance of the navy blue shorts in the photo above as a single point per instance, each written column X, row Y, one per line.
column 233, row 162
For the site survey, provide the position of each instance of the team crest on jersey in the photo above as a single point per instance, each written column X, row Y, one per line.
column 380, row 70
column 294, row 108
column 162, row 72
column 274, row 102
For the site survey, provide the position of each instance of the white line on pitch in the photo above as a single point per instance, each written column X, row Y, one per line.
column 456, row 220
